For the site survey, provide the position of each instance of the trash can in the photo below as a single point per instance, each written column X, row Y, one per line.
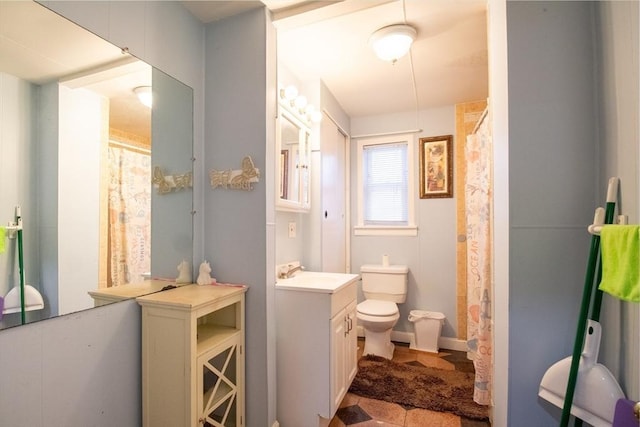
column 427, row 326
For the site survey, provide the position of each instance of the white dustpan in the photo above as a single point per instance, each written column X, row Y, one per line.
column 596, row 391
column 32, row 300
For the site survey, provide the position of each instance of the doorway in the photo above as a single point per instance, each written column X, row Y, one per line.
column 335, row 182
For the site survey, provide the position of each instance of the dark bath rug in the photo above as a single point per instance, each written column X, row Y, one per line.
column 421, row 387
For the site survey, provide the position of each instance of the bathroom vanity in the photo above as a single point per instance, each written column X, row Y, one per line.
column 193, row 356
column 316, row 345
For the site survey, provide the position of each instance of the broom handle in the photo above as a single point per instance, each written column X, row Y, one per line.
column 611, row 205
column 593, row 268
column 20, row 264
column 21, row 271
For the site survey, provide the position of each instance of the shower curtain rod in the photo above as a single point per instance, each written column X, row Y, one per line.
column 129, row 146
column 481, row 119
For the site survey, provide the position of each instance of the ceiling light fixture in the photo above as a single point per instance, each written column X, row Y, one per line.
column 393, row 42
column 144, row 95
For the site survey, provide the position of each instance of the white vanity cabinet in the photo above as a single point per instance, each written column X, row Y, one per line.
column 316, row 348
column 193, row 357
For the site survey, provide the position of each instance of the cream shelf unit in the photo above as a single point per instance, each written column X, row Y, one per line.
column 193, row 357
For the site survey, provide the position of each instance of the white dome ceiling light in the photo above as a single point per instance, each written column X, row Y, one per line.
column 393, row 42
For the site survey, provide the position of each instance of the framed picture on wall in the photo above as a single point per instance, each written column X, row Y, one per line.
column 436, row 167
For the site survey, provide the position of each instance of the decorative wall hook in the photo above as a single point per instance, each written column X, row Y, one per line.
column 238, row 179
column 167, row 183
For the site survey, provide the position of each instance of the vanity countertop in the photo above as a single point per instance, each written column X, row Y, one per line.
column 191, row 296
column 131, row 290
column 310, row 281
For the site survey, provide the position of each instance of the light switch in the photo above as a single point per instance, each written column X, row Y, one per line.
column 292, row 229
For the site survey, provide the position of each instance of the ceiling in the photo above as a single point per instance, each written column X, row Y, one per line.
column 328, row 40
column 40, row 46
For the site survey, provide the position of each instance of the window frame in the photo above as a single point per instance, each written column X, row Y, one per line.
column 362, row 229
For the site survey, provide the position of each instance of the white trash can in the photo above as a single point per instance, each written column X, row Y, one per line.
column 427, row 326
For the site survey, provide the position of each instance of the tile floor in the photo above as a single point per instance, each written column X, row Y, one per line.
column 359, row 411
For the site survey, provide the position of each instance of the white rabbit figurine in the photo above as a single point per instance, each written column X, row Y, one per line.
column 184, row 272
column 204, row 277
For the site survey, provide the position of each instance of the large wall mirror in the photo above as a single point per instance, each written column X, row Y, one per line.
column 103, row 181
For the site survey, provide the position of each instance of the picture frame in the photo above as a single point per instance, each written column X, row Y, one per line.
column 436, row 167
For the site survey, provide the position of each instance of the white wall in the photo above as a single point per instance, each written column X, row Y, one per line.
column 619, row 96
column 82, row 115
column 431, row 256
column 83, row 368
column 238, row 232
column 552, row 190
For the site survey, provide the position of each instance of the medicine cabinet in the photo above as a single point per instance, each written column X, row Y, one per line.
column 293, row 146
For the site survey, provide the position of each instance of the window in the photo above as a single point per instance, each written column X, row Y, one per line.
column 385, row 186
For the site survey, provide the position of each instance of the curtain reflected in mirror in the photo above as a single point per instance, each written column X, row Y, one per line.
column 129, row 213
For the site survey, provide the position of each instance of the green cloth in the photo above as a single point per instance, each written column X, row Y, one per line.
column 3, row 232
column 620, row 255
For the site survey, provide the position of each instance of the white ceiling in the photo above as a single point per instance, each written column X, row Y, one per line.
column 40, row 46
column 447, row 63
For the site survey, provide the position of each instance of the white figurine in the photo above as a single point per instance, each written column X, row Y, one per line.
column 204, row 277
column 184, row 271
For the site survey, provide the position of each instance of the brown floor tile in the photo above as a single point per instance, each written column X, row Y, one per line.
column 350, row 399
column 423, row 418
column 336, row 422
column 433, row 361
column 404, row 356
column 374, row 423
column 383, row 411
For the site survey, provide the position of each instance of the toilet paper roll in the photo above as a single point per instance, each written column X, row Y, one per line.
column 385, row 260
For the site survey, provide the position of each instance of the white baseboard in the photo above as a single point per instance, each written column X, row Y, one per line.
column 409, row 338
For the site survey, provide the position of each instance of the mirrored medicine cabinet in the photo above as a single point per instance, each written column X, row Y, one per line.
column 293, row 145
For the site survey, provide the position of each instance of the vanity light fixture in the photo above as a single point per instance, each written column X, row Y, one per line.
column 393, row 42
column 289, row 93
column 297, row 104
column 144, row 95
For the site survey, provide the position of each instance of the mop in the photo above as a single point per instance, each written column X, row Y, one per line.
column 25, row 297
column 577, row 384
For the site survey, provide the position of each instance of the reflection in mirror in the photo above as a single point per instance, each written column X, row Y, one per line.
column 78, row 150
column 289, row 150
column 293, row 142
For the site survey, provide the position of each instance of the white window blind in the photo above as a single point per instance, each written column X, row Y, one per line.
column 385, row 184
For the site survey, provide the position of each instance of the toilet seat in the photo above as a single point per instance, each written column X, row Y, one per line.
column 379, row 308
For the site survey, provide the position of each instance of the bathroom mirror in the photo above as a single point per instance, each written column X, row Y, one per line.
column 294, row 159
column 103, row 181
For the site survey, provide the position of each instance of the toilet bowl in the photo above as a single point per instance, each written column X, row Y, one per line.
column 383, row 286
column 378, row 318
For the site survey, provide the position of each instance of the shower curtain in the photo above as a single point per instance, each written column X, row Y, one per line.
column 129, row 215
column 478, row 193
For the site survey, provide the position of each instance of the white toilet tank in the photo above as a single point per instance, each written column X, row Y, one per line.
column 387, row 283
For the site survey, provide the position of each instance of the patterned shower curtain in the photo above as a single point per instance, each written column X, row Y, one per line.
column 129, row 215
column 478, row 193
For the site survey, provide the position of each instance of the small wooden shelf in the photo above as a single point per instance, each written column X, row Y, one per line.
column 193, row 356
column 213, row 335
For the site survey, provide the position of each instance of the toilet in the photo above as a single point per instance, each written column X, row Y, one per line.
column 383, row 286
